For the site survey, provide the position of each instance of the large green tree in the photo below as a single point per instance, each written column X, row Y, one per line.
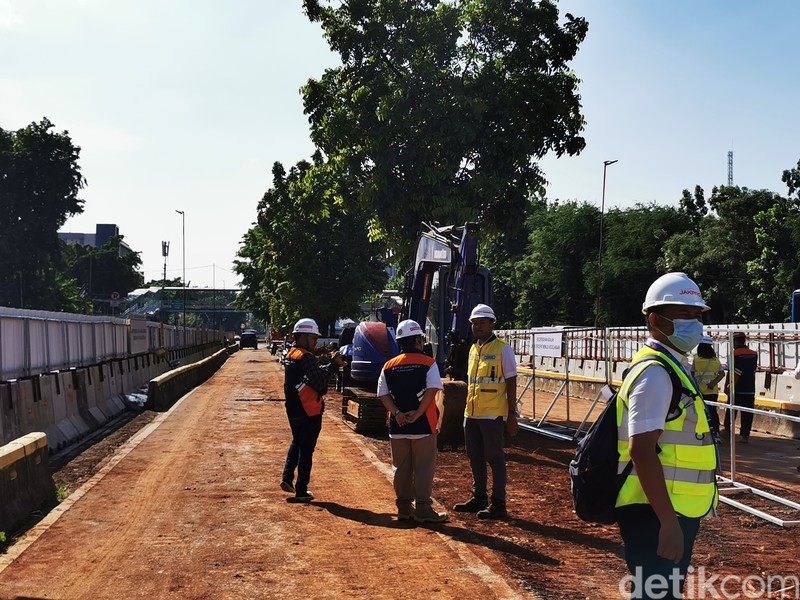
column 39, row 185
column 633, row 257
column 306, row 256
column 556, row 275
column 441, row 109
column 100, row 272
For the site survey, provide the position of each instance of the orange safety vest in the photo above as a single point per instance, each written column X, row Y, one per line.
column 296, row 385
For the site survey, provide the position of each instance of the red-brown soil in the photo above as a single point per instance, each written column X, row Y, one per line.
column 194, row 511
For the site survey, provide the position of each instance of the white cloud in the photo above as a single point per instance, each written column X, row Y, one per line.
column 9, row 17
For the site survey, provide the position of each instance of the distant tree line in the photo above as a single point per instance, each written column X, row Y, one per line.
column 742, row 246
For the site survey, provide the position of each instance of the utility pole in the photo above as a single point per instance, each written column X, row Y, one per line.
column 214, row 293
column 183, row 278
column 600, row 244
column 163, row 310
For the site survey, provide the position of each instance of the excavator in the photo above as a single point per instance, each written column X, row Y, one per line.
column 441, row 289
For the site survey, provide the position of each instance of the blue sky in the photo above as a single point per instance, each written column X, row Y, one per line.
column 186, row 104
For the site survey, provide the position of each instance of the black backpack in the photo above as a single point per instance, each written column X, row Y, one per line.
column 593, row 471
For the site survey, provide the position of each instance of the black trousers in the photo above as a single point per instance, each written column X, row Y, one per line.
column 653, row 577
column 747, row 401
column 305, row 431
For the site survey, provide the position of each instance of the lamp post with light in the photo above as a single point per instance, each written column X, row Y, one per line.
column 183, row 278
column 606, row 163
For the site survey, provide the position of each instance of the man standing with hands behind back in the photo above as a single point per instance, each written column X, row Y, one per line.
column 491, row 411
column 407, row 387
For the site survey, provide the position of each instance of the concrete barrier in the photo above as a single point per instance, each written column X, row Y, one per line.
column 26, row 483
column 68, row 405
column 166, row 389
column 10, row 418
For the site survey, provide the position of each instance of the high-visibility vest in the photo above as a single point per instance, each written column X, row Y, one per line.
column 688, row 455
column 296, row 386
column 705, row 370
column 486, row 386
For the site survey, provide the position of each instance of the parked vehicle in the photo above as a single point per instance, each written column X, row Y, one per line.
column 248, row 339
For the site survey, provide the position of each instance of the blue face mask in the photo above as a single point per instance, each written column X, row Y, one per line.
column 687, row 333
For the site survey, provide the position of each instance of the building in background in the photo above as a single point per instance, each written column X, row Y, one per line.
column 103, row 233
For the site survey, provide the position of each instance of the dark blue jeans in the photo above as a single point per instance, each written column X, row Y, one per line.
column 653, row 577
column 305, row 431
column 483, row 439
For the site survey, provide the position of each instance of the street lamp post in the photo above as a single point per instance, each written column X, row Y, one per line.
column 183, row 278
column 600, row 244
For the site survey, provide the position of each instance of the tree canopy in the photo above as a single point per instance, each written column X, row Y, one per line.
column 305, row 256
column 39, row 185
column 742, row 247
column 440, row 110
column 99, row 272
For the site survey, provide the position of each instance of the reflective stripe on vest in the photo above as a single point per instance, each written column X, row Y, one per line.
column 486, row 387
column 678, row 474
column 705, row 370
column 688, row 455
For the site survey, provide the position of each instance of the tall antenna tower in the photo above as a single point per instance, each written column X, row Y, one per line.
column 730, row 168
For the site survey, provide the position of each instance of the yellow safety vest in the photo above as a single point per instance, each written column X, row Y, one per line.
column 705, row 370
column 486, row 386
column 688, row 455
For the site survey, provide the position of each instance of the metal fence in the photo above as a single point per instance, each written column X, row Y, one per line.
column 573, row 381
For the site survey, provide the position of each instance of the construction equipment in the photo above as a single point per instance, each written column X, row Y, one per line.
column 440, row 290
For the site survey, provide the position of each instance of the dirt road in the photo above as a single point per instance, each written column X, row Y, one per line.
column 193, row 510
column 190, row 508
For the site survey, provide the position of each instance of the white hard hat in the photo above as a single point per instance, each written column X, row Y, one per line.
column 706, row 339
column 482, row 311
column 408, row 328
column 306, row 326
column 673, row 288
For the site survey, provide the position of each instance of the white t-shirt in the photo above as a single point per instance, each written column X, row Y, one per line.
column 797, row 371
column 649, row 398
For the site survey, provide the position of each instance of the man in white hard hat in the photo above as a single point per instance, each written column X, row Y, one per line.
column 407, row 387
column 491, row 411
column 304, row 386
column 673, row 482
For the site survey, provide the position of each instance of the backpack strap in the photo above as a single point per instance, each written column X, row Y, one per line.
column 677, row 386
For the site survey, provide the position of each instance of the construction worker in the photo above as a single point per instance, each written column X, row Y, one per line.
column 673, row 483
column 304, row 386
column 745, row 364
column 491, row 411
column 407, row 388
column 708, row 372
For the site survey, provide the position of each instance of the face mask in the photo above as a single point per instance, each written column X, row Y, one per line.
column 687, row 333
